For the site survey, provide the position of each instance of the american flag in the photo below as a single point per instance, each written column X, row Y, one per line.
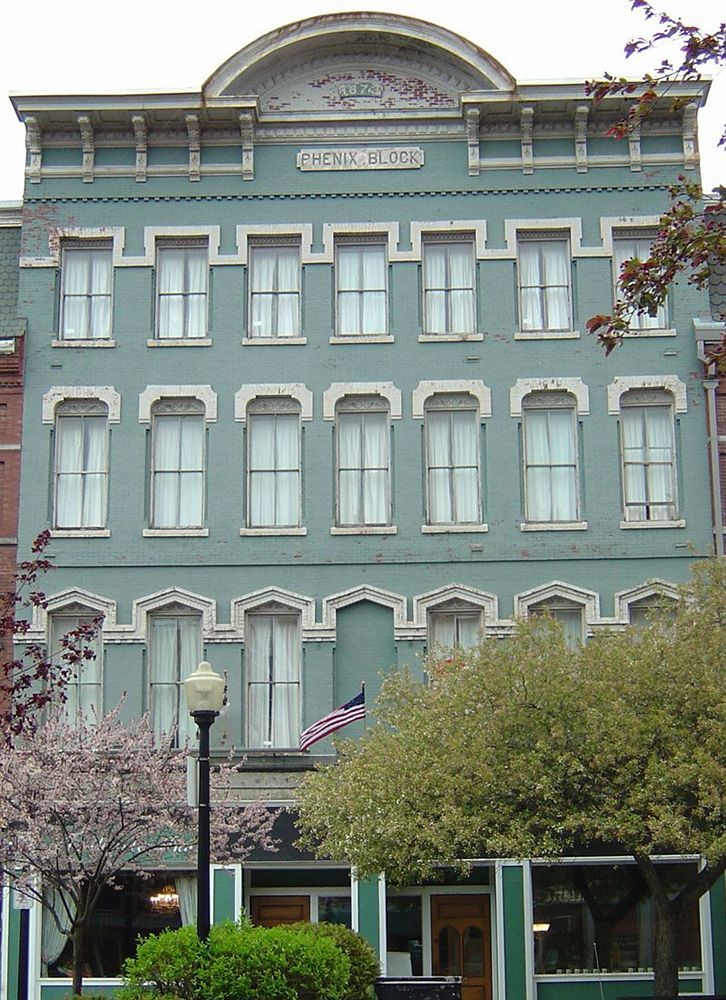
column 352, row 710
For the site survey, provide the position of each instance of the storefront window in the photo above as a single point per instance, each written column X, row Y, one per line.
column 136, row 908
column 334, row 910
column 600, row 917
column 403, row 936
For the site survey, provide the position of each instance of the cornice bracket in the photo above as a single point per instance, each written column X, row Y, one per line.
column 581, row 113
column 33, row 145
column 140, row 138
column 247, row 134
column 472, row 138
column 194, row 147
column 636, row 162
column 527, row 125
column 88, row 147
column 690, row 157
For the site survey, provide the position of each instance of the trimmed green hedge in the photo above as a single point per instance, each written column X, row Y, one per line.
column 241, row 962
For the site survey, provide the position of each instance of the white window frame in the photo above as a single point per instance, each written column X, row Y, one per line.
column 181, row 724
column 548, row 400
column 642, row 238
column 644, row 399
column 538, row 237
column 83, row 410
column 169, row 408
column 69, row 249
column 275, row 407
column 428, row 243
column 361, row 406
column 352, row 244
column 445, row 403
column 256, row 247
column 459, row 613
column 61, row 622
column 273, row 681
column 186, row 246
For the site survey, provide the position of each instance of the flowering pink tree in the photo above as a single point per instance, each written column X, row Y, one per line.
column 81, row 804
column 28, row 683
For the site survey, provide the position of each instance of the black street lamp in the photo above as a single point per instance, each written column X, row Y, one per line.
column 204, row 690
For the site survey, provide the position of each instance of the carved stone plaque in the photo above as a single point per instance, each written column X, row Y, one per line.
column 362, row 158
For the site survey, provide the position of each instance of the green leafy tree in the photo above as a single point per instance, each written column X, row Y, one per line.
column 527, row 748
column 691, row 236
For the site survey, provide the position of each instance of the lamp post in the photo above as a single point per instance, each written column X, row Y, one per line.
column 204, row 690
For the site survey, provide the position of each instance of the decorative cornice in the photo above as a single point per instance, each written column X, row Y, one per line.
column 690, row 155
column 581, row 114
column 636, row 160
column 192, row 123
column 247, row 134
column 33, row 143
column 527, row 123
column 473, row 116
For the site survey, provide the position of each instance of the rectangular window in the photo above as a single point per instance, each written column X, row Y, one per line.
column 273, row 470
column 449, row 286
column 86, row 288
column 544, row 278
column 568, row 614
column 361, row 271
column 649, row 461
column 452, row 465
column 177, row 470
column 181, row 299
column 175, row 650
column 83, row 688
column 273, row 680
column 551, row 488
column 274, row 291
column 80, row 465
column 593, row 917
column 455, row 629
column 363, row 460
column 625, row 247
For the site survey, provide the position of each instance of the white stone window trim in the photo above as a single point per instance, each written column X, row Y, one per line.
column 261, row 532
column 157, row 602
column 88, row 342
column 65, row 601
column 633, row 595
column 624, row 383
column 442, row 338
column 588, row 599
column 434, row 600
column 678, row 523
column 154, row 393
column 453, row 529
column 80, row 533
column 175, row 532
column 421, row 231
column 553, row 526
column 610, row 224
column 181, row 342
column 376, row 595
column 287, row 390
column 339, row 390
column 569, row 226
column 289, row 602
column 154, row 234
column 364, row 529
column 436, row 387
column 59, row 393
column 387, row 231
column 365, row 338
column 274, row 341
column 284, row 231
column 56, row 237
column 524, row 386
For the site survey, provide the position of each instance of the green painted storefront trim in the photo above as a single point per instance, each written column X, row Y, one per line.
column 717, row 902
column 513, row 931
column 223, row 897
column 368, row 913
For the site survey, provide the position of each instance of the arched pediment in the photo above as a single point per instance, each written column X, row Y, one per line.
column 357, row 63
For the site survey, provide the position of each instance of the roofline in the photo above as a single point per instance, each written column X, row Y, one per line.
column 11, row 213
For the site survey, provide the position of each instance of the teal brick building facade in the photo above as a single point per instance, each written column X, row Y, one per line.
column 309, row 393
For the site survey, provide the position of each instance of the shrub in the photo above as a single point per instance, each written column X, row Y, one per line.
column 364, row 967
column 166, row 966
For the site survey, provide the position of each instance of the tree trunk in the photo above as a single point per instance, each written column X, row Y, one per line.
column 78, row 943
column 665, row 959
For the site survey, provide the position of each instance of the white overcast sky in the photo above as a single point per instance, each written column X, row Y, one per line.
column 76, row 47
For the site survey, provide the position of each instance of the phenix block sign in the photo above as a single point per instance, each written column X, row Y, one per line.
column 362, row 158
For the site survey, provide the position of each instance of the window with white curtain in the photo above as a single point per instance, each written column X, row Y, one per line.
column 458, row 628
column 363, row 462
column 273, row 464
column 648, row 451
column 181, row 290
column 362, row 289
column 627, row 245
column 452, row 460
column 86, row 289
column 80, row 465
column 274, row 283
column 568, row 614
column 641, row 612
column 449, row 286
column 544, row 272
column 177, row 464
column 272, row 660
column 174, row 651
column 551, row 477
column 82, row 689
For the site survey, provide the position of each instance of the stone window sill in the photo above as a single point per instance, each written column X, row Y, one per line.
column 554, row 526
column 273, row 531
column 547, row 335
column 354, row 338
column 448, row 529
column 175, row 532
column 653, row 524
column 182, row 342
column 90, row 342
column 80, row 533
column 436, row 338
column 366, row 529
column 272, row 341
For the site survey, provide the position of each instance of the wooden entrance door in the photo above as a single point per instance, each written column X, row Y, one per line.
column 461, row 943
column 269, row 911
